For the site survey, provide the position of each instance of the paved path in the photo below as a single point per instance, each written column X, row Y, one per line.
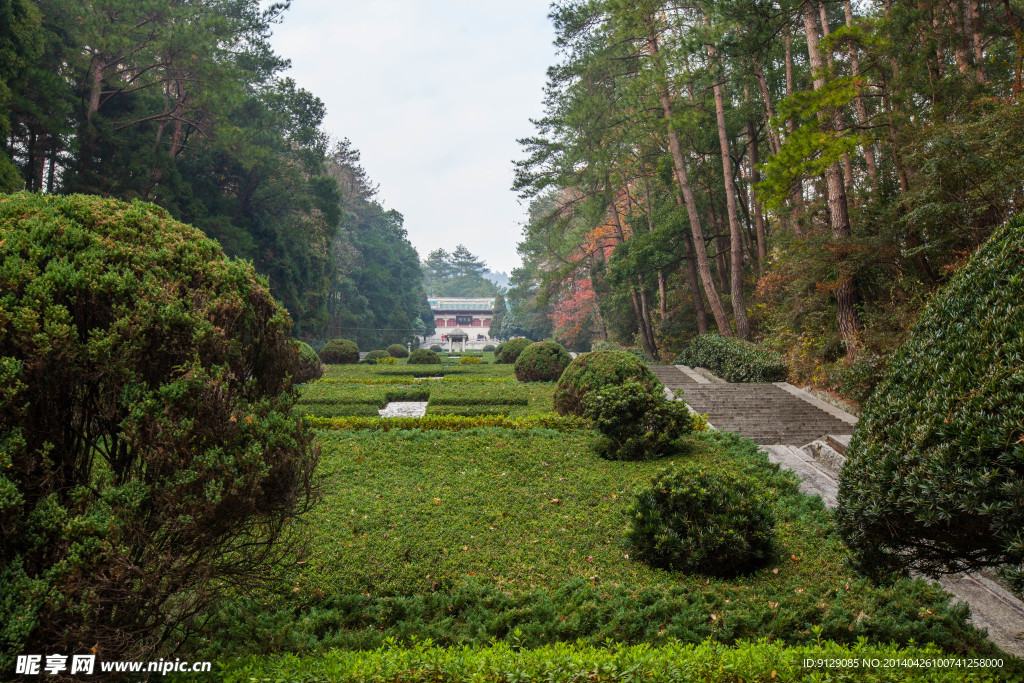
column 404, row 409
column 809, row 436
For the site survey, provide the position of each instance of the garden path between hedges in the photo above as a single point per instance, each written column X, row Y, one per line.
column 809, row 436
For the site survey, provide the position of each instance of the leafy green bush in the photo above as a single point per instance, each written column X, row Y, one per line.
column 386, row 360
column 698, row 520
column 424, row 357
column 498, row 348
column 542, row 362
column 470, row 360
column 734, row 360
column 934, row 477
column 310, row 367
column 510, row 350
column 340, row 352
column 373, row 356
column 149, row 456
column 436, row 348
column 488, row 348
column 596, row 370
column 398, row 351
column 636, row 422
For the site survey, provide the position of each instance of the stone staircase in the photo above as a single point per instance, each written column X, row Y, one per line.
column 806, row 435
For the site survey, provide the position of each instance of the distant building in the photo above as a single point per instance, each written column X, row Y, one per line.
column 471, row 316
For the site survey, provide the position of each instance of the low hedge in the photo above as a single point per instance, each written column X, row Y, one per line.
column 734, row 360
column 709, row 661
column 450, row 423
column 481, row 401
column 340, row 352
column 468, row 410
column 338, row 409
column 411, row 379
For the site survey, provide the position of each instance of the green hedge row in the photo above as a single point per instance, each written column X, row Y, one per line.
column 734, row 360
column 410, row 380
column 708, row 661
column 469, row 411
column 480, row 401
column 452, row 423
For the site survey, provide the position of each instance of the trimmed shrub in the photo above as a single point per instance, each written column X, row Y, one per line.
column 373, row 356
column 596, row 370
column 696, row 520
column 436, row 348
column 310, row 367
column 424, row 357
column 498, row 348
column 340, row 352
column 386, row 360
column 150, row 459
column 510, row 350
column 488, row 347
column 398, row 351
column 470, row 360
column 636, row 422
column 542, row 362
column 734, row 360
column 934, row 477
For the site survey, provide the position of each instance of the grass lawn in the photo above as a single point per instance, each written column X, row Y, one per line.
column 517, row 535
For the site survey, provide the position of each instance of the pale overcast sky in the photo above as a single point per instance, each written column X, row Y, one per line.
column 434, row 96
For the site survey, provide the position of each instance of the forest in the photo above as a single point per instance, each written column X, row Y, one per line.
column 803, row 174
column 187, row 106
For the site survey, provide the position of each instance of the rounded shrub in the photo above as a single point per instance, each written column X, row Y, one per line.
column 424, row 357
column 436, row 348
column 340, row 352
column 934, row 476
column 310, row 366
column 398, row 351
column 696, row 519
column 510, row 350
column 542, row 362
column 373, row 356
column 150, row 459
column 488, row 348
column 637, row 422
column 596, row 370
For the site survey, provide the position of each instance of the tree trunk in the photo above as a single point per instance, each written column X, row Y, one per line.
column 739, row 308
column 694, row 281
column 755, row 178
column 954, row 19
column 796, row 194
column 973, row 20
column 844, row 291
column 862, row 112
column 826, row 30
column 721, row 264
column 769, row 109
column 683, row 178
column 645, row 323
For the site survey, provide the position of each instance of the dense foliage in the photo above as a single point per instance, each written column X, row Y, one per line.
column 508, row 352
column 186, row 105
column 340, row 352
column 934, row 478
column 802, row 172
column 148, row 455
column 542, row 362
column 398, row 351
column 695, row 519
column 424, row 357
column 372, row 357
column 734, row 360
column 437, row 348
column 310, row 365
column 596, row 370
column 636, row 421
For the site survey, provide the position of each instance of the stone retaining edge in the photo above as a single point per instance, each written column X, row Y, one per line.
column 818, row 403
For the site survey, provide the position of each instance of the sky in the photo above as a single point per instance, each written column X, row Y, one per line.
column 434, row 95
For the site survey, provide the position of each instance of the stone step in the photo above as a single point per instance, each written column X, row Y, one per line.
column 816, row 480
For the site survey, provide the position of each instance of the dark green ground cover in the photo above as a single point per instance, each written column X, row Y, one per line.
column 518, row 535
